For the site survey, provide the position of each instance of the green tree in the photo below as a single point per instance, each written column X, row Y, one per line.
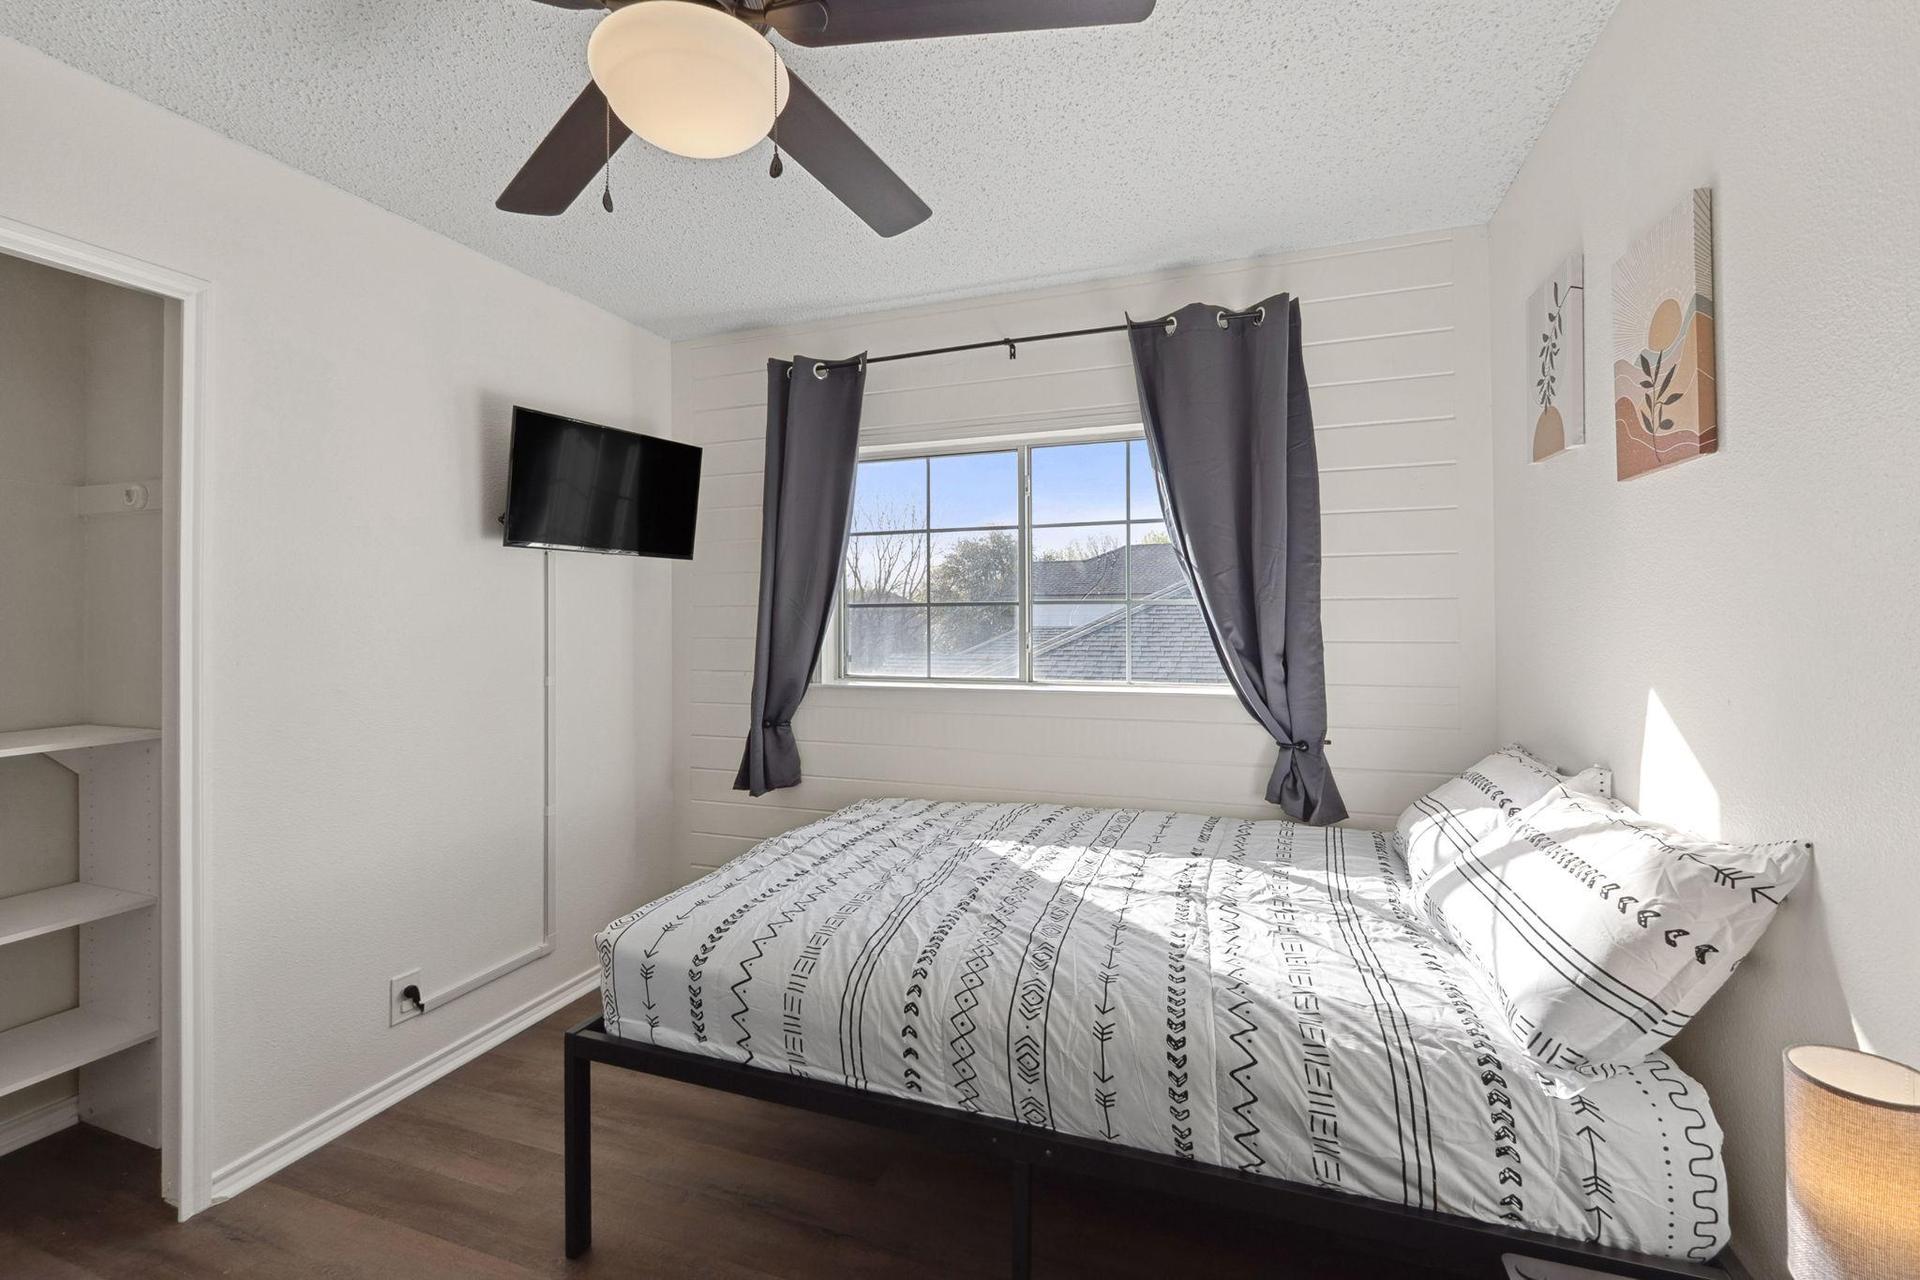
column 982, row 567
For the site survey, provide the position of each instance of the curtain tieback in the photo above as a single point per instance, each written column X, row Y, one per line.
column 776, row 724
column 1301, row 744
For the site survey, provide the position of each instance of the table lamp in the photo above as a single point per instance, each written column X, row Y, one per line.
column 1853, row 1165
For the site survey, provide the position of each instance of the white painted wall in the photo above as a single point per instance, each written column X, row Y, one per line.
column 42, row 457
column 126, row 411
column 1737, row 635
column 371, row 702
column 1396, row 351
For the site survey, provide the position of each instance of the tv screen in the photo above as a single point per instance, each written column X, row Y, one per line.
column 575, row 486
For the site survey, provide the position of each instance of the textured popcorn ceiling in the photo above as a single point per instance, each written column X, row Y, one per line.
column 1218, row 129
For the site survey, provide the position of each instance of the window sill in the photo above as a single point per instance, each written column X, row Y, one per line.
column 1018, row 686
column 1214, row 705
column 1202, row 704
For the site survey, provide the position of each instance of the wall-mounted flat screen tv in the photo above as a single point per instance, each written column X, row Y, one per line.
column 576, row 486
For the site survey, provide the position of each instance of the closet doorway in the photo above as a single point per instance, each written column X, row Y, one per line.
column 99, row 407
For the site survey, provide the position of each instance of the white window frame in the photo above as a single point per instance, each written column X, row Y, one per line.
column 832, row 667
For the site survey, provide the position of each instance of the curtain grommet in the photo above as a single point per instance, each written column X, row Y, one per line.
column 819, row 371
column 1260, row 316
column 1173, row 325
column 1220, row 318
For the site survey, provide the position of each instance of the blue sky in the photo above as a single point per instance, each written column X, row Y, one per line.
column 1071, row 483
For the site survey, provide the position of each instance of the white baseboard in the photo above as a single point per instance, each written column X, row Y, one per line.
column 40, row 1122
column 271, row 1157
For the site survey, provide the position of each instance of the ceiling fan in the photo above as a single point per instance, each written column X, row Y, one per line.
column 700, row 78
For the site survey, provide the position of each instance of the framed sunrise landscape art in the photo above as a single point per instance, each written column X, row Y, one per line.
column 1665, row 402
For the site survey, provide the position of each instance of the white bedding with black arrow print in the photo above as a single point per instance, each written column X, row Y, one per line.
column 1256, row 995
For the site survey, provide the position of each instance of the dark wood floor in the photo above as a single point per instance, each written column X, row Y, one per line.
column 463, row 1180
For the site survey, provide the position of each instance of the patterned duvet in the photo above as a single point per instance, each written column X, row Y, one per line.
column 1252, row 994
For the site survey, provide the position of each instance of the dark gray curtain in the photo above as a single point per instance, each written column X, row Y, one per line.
column 1230, row 429
column 813, row 436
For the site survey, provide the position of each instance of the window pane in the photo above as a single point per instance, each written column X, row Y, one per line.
column 1144, row 494
column 1083, row 561
column 1170, row 645
column 886, row 641
column 1079, row 642
column 976, row 566
column 1109, row 600
column 890, row 495
column 1155, row 572
column 976, row 641
column 1074, row 482
column 975, row 489
column 886, row 568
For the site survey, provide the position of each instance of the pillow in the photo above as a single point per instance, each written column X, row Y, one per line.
column 1444, row 823
column 1597, row 933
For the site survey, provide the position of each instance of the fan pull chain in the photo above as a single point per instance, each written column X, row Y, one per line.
column 775, row 169
column 606, row 191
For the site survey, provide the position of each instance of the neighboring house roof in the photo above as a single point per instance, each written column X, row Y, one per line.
column 1155, row 569
column 1170, row 641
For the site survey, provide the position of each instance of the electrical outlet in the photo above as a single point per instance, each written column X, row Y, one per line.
column 399, row 1008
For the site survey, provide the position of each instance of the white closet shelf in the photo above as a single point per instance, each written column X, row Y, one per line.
column 71, row 737
column 41, row 1050
column 28, row 915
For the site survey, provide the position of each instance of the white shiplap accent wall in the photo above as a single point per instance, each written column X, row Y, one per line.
column 1396, row 351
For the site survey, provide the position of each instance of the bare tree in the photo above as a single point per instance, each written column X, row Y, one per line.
column 887, row 568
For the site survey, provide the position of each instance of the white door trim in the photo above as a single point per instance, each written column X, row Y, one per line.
column 185, row 1178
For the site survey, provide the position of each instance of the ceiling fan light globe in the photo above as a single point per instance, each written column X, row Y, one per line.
column 690, row 79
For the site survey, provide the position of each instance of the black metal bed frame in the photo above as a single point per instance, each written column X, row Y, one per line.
column 1444, row 1239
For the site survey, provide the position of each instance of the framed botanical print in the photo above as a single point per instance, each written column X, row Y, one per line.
column 1556, row 329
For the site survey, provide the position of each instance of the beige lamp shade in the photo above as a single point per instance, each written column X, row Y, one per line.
column 1853, row 1166
column 690, row 79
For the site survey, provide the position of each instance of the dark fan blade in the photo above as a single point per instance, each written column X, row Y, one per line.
column 797, row 20
column 564, row 163
column 846, row 166
column 863, row 21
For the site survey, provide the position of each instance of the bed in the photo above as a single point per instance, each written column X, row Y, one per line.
column 1154, row 993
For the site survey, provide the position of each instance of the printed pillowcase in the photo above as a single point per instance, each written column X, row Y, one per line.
column 1447, row 821
column 1598, row 933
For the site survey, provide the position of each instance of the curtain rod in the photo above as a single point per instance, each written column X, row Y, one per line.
column 1013, row 345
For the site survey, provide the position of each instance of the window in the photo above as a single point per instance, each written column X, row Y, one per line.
column 1046, row 563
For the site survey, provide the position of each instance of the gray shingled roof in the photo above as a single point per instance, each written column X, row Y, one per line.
column 1170, row 641
column 1155, row 569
